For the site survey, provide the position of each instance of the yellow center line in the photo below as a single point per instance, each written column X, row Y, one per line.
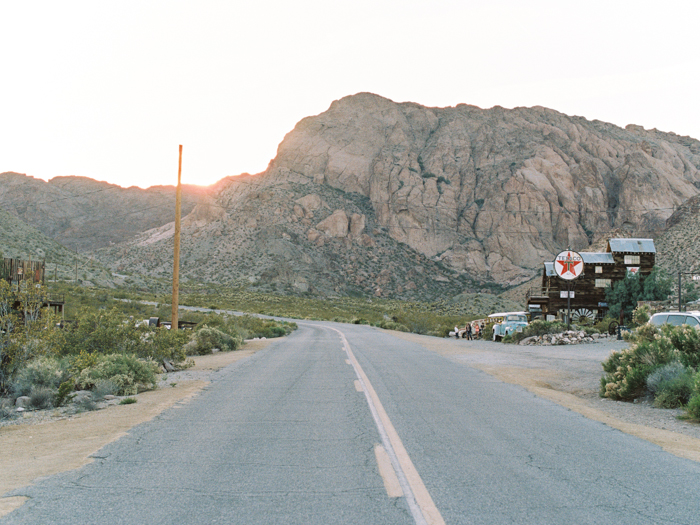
column 417, row 496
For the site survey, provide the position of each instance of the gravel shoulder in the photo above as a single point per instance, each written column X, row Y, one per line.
column 569, row 375
column 46, row 442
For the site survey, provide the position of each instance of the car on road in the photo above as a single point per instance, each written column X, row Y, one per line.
column 676, row 318
column 507, row 323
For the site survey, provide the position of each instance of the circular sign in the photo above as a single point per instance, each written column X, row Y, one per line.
column 568, row 265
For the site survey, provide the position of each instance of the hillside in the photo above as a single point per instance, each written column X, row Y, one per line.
column 387, row 199
column 19, row 240
column 85, row 214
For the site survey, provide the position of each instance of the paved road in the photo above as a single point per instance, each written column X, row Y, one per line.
column 293, row 435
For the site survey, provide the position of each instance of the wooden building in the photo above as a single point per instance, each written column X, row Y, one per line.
column 600, row 271
column 19, row 272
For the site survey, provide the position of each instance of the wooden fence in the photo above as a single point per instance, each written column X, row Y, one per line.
column 16, row 270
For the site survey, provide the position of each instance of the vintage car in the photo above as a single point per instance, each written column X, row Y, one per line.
column 507, row 322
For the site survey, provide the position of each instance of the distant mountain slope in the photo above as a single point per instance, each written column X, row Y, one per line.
column 21, row 241
column 85, row 214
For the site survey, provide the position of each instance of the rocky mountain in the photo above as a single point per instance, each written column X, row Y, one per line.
column 406, row 201
column 85, row 214
column 289, row 238
column 492, row 192
column 678, row 248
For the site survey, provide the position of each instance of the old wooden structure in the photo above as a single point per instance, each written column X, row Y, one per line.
column 600, row 271
column 19, row 273
column 15, row 271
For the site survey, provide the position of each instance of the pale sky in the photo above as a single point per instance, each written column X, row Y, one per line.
column 109, row 89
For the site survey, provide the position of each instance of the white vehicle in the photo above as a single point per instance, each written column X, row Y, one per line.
column 676, row 318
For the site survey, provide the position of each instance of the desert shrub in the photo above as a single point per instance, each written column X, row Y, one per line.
column 671, row 385
column 128, row 401
column 105, row 387
column 162, row 343
column 7, row 409
column 641, row 315
column 129, row 373
column 693, row 406
column 487, row 332
column 100, row 331
column 44, row 372
column 206, row 339
column 686, row 340
column 42, row 397
column 626, row 372
column 391, row 325
column 64, row 390
column 85, row 403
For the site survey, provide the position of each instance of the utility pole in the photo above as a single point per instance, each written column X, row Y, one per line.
column 176, row 254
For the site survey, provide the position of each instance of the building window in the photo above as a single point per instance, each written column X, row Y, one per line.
column 602, row 283
column 631, row 259
column 598, row 269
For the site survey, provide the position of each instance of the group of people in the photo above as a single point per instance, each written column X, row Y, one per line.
column 470, row 332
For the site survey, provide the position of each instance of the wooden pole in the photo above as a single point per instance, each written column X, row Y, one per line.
column 176, row 254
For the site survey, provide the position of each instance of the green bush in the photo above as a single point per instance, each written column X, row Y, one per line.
column 44, row 372
column 42, row 397
column 693, row 406
column 206, row 339
column 626, row 372
column 391, row 325
column 129, row 373
column 671, row 385
column 7, row 409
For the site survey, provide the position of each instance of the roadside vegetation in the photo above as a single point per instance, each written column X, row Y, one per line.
column 662, row 362
column 107, row 346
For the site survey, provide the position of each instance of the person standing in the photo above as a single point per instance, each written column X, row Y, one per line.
column 469, row 331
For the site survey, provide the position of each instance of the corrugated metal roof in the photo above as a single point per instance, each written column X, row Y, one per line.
column 632, row 245
column 597, row 258
column 549, row 269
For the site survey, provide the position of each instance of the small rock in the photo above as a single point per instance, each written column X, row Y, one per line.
column 168, row 365
column 109, row 397
column 23, row 402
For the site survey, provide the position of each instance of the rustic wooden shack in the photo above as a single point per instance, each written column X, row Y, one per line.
column 19, row 272
column 600, row 271
column 15, row 271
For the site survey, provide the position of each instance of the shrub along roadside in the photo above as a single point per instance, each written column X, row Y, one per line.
column 661, row 361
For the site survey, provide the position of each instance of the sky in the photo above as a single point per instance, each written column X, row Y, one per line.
column 110, row 89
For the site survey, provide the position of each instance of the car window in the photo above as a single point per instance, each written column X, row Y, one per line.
column 658, row 319
column 676, row 320
column 691, row 321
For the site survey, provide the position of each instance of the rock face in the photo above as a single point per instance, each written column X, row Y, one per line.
column 491, row 192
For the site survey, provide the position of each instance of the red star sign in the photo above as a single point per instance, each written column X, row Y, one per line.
column 568, row 265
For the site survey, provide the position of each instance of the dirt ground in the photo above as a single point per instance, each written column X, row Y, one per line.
column 568, row 376
column 48, row 445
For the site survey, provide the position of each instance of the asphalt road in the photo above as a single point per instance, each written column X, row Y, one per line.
column 291, row 434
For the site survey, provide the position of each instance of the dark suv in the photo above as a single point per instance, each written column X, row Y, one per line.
column 677, row 318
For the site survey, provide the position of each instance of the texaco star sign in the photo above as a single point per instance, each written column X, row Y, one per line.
column 568, row 265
